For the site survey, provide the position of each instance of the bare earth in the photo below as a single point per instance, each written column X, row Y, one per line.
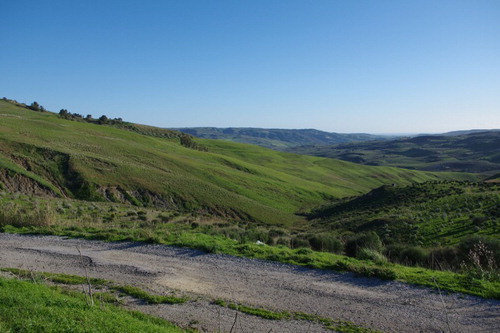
column 381, row 305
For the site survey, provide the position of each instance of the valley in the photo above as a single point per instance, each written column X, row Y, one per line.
column 266, row 226
column 461, row 151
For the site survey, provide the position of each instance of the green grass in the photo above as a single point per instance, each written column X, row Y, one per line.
column 80, row 280
column 54, row 277
column 426, row 214
column 118, row 184
column 50, row 302
column 147, row 297
column 117, row 222
column 29, row 307
column 97, row 163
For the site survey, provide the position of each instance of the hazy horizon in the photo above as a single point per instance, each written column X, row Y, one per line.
column 347, row 67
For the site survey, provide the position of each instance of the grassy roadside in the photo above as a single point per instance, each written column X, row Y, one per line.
column 445, row 280
column 104, row 298
column 34, row 307
column 80, row 280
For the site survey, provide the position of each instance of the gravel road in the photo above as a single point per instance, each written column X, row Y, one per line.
column 381, row 305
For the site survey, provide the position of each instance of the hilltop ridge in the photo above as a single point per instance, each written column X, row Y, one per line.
column 278, row 139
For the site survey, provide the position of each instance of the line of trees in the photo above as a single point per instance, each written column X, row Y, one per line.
column 35, row 106
column 185, row 140
column 102, row 120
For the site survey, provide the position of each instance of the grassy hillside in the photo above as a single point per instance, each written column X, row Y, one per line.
column 278, row 139
column 426, row 214
column 44, row 154
column 470, row 152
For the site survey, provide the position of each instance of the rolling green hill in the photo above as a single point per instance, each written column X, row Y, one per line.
column 44, row 154
column 278, row 139
column 426, row 214
column 477, row 152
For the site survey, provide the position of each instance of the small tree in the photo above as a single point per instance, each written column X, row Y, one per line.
column 63, row 113
column 103, row 120
column 35, row 106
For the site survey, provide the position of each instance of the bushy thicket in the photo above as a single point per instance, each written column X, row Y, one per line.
column 369, row 240
column 326, row 243
column 477, row 255
column 17, row 216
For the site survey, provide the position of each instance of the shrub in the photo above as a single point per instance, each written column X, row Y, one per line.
column 326, row 243
column 275, row 232
column 480, row 262
column 470, row 243
column 393, row 251
column 257, row 234
column 39, row 216
column 283, row 241
column 297, row 242
column 444, row 258
column 369, row 240
column 370, row 271
column 413, row 255
column 373, row 255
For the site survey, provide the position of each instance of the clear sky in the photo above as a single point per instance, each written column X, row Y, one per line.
column 396, row 66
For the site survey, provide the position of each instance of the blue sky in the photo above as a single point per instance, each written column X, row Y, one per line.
column 341, row 66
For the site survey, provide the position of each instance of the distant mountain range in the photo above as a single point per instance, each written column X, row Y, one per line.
column 472, row 131
column 477, row 152
column 279, row 139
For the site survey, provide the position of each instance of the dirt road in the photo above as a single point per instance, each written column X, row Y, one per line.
column 386, row 306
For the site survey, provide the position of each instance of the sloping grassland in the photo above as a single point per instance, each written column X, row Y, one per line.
column 42, row 154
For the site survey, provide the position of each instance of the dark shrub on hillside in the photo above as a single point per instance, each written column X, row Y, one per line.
column 297, row 242
column 383, row 273
column 283, row 241
column 275, row 232
column 326, row 243
column 369, row 254
column 467, row 245
column 444, row 258
column 257, row 234
column 393, row 251
column 413, row 255
column 369, row 240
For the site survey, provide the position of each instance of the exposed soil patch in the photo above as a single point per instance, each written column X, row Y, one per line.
column 387, row 306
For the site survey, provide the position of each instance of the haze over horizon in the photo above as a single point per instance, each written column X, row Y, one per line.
column 347, row 67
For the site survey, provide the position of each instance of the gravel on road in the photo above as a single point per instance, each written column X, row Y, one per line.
column 380, row 305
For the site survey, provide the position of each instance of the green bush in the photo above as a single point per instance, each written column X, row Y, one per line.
column 326, row 243
column 298, row 242
column 413, row 255
column 369, row 240
column 283, row 241
column 491, row 244
column 444, row 258
column 39, row 216
column 480, row 258
column 383, row 273
column 373, row 255
column 393, row 251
